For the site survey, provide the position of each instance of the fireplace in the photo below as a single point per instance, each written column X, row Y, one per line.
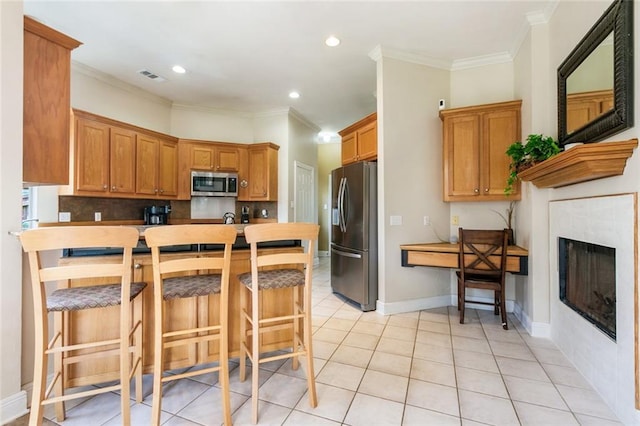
column 587, row 278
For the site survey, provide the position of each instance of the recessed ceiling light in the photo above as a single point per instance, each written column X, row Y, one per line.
column 332, row 41
column 178, row 69
column 294, row 95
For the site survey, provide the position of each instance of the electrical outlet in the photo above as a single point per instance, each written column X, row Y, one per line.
column 426, row 220
column 64, row 217
column 455, row 220
column 97, row 216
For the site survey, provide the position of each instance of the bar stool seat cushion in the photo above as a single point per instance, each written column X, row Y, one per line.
column 98, row 296
column 279, row 278
column 191, row 286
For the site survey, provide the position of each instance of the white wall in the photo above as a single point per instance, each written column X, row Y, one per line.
column 210, row 124
column 410, row 181
column 13, row 402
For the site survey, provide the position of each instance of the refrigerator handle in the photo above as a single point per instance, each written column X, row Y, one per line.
column 343, row 225
column 346, row 254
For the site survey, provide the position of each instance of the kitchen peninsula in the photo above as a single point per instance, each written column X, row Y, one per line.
column 182, row 312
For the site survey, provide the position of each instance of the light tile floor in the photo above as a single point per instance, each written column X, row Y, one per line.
column 419, row 368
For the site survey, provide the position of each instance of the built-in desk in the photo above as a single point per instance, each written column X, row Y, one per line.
column 445, row 255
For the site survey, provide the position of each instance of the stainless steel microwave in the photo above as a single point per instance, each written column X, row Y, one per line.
column 209, row 184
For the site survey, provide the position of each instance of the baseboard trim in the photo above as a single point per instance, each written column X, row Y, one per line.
column 391, row 308
column 535, row 329
column 323, row 253
column 13, row 407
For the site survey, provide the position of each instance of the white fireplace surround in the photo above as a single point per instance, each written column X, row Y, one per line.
column 608, row 365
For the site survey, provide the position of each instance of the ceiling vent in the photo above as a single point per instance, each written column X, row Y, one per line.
column 151, row 76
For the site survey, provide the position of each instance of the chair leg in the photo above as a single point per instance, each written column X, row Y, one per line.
column 61, row 322
column 137, row 344
column 224, row 372
column 125, row 364
column 461, row 303
column 496, row 302
column 39, row 371
column 295, row 295
column 255, row 355
column 158, row 361
column 308, row 345
column 243, row 334
column 504, row 311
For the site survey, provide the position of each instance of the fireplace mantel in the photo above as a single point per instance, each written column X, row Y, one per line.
column 580, row 164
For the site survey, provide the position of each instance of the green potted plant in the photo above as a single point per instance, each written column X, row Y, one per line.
column 536, row 149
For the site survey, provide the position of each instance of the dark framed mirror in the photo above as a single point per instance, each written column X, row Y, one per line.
column 595, row 82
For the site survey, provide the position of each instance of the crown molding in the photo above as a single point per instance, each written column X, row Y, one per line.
column 479, row 61
column 380, row 52
column 118, row 84
column 303, row 120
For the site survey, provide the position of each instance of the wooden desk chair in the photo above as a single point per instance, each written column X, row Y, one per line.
column 115, row 289
column 483, row 264
column 191, row 276
column 276, row 271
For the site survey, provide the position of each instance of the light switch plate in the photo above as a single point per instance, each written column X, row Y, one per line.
column 395, row 220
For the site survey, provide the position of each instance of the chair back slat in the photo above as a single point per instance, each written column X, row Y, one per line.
column 483, row 252
column 55, row 238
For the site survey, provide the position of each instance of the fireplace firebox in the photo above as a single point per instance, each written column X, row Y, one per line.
column 588, row 282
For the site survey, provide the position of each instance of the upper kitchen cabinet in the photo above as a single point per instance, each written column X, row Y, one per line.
column 475, row 162
column 47, row 99
column 261, row 182
column 215, row 156
column 360, row 140
column 102, row 158
column 156, row 166
column 114, row 159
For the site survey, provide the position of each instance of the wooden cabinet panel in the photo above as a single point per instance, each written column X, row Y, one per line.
column 213, row 156
column 92, row 156
column 475, row 141
column 156, row 167
column 147, row 155
column 47, row 98
column 122, row 161
column 263, row 172
column 360, row 140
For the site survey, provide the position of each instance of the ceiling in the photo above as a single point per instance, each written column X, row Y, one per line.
column 247, row 56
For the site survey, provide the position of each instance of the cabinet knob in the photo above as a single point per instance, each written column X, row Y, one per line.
column 105, row 186
column 137, row 266
column 113, row 188
column 155, row 190
column 486, row 190
column 161, row 191
column 476, row 190
column 244, row 183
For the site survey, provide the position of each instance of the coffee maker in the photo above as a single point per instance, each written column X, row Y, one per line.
column 157, row 215
column 244, row 217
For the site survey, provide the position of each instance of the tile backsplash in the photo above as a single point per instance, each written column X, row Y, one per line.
column 83, row 209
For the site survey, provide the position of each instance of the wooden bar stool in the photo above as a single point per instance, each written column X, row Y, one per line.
column 113, row 273
column 275, row 271
column 195, row 275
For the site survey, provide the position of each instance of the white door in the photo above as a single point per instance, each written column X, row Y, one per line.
column 304, row 190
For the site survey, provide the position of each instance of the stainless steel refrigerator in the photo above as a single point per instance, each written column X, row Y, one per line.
column 354, row 234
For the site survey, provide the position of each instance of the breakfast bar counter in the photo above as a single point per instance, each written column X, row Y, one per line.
column 182, row 312
column 445, row 255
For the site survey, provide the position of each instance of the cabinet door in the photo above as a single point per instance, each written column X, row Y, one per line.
column 349, row 149
column 580, row 113
column 227, row 159
column 147, row 154
column 263, row 174
column 368, row 142
column 462, row 157
column 46, row 104
column 91, row 156
column 499, row 130
column 168, row 169
column 122, row 161
column 202, row 157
